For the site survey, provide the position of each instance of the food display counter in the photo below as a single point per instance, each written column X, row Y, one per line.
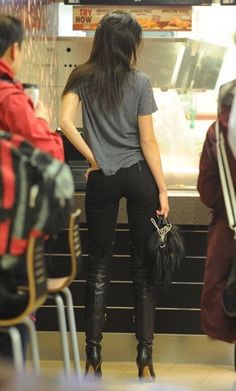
column 186, row 208
column 178, row 310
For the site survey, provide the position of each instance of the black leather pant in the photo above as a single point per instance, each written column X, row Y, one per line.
column 103, row 194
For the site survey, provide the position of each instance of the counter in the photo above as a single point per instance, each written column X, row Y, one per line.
column 178, row 310
column 186, row 208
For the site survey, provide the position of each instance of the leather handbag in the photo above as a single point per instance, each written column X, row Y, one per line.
column 229, row 293
column 165, row 250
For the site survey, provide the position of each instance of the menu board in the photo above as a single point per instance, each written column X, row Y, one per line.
column 155, row 19
column 139, row 2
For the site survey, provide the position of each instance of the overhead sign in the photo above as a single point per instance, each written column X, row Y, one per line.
column 142, row 3
column 155, row 19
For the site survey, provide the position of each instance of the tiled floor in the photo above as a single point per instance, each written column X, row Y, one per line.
column 120, row 376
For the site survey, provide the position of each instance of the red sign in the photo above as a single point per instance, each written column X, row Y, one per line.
column 155, row 19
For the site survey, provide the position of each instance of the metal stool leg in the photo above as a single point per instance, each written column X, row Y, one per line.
column 16, row 348
column 33, row 343
column 63, row 332
column 72, row 329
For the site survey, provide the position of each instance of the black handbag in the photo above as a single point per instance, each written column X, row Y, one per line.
column 165, row 250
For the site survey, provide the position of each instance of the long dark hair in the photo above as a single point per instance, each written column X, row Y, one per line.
column 113, row 54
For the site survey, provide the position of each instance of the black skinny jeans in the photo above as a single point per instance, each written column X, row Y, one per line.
column 103, row 194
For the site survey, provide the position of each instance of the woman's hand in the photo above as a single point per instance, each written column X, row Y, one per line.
column 90, row 169
column 164, row 204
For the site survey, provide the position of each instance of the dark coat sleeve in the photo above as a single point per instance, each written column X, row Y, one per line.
column 209, row 185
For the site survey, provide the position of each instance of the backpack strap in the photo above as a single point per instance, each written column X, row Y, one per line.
column 13, row 168
column 226, row 179
column 6, row 77
column 7, row 176
column 7, row 185
column 19, row 236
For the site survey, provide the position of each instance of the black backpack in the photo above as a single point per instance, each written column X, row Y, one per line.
column 36, row 196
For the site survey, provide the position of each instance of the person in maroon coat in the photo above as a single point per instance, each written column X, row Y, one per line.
column 221, row 245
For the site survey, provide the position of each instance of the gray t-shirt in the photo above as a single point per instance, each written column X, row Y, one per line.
column 114, row 136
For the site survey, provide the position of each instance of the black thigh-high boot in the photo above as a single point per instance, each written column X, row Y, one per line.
column 144, row 296
column 98, row 278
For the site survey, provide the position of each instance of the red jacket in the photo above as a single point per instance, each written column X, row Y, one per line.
column 17, row 115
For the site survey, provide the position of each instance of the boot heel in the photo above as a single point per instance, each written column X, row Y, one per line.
column 93, row 367
column 93, row 371
column 145, row 366
column 146, row 373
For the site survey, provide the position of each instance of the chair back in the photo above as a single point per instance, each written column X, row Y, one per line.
column 58, row 284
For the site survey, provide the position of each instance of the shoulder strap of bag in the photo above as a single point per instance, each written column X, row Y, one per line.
column 5, row 77
column 226, row 179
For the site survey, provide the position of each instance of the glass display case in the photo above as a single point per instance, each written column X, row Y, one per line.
column 184, row 73
column 186, row 70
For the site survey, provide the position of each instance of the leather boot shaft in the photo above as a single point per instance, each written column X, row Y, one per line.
column 144, row 298
column 97, row 284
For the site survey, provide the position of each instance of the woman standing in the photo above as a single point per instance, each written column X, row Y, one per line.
column 221, row 244
column 119, row 143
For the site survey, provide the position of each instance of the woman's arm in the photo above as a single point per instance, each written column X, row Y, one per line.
column 151, row 153
column 69, row 107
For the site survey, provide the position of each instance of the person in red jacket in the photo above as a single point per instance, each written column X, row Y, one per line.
column 18, row 115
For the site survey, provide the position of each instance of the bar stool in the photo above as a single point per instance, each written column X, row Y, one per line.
column 58, row 291
column 25, row 301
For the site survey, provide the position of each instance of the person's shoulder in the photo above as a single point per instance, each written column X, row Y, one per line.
column 211, row 133
column 139, row 75
column 139, row 79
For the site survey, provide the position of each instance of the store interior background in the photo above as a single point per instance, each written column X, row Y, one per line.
column 186, row 109
column 52, row 49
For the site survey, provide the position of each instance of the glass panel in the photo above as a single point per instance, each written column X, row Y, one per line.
column 40, row 19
